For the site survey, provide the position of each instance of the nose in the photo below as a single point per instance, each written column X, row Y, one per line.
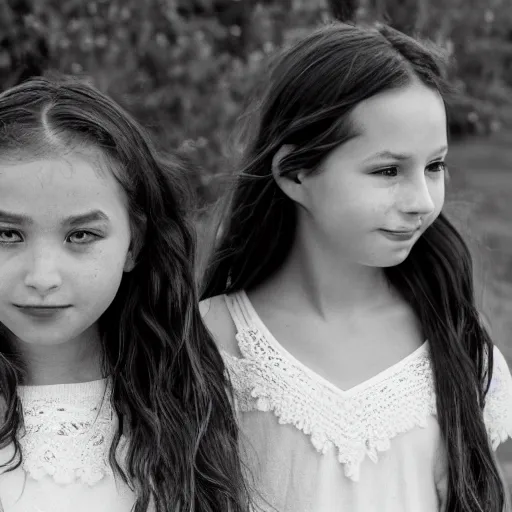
column 417, row 198
column 43, row 274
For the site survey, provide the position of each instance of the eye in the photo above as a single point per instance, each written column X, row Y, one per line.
column 82, row 237
column 437, row 167
column 388, row 172
column 9, row 236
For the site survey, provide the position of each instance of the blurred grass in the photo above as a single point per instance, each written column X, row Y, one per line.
column 479, row 201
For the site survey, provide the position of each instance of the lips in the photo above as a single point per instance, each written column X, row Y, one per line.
column 402, row 236
column 403, row 230
column 46, row 307
column 36, row 311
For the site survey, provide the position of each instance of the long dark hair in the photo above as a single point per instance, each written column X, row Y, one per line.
column 306, row 102
column 168, row 379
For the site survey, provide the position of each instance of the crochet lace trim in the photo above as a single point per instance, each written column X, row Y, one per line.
column 360, row 422
column 69, row 436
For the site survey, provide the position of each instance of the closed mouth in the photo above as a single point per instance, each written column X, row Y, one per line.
column 408, row 232
column 41, row 308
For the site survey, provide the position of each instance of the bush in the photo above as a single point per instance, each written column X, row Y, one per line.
column 185, row 67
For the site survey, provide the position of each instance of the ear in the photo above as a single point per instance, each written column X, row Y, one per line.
column 129, row 263
column 290, row 184
column 135, row 247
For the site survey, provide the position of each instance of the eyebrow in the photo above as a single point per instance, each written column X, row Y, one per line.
column 85, row 218
column 401, row 156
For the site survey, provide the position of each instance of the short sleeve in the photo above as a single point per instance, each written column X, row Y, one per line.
column 498, row 402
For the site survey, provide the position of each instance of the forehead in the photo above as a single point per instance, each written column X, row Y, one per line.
column 59, row 185
column 407, row 120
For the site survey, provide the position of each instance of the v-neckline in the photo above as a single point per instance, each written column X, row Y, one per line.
column 256, row 321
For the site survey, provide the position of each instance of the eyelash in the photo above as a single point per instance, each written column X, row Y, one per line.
column 8, row 231
column 440, row 164
column 94, row 235
column 13, row 231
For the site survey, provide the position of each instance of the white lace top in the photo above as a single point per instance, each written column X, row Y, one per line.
column 314, row 448
column 68, row 430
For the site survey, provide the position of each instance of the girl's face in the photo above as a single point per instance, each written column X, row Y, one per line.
column 64, row 244
column 376, row 194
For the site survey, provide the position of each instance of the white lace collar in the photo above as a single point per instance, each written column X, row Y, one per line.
column 357, row 423
column 68, row 430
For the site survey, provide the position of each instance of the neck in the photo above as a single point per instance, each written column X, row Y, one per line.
column 321, row 280
column 77, row 360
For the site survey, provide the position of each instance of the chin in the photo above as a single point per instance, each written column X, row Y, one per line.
column 394, row 259
column 44, row 335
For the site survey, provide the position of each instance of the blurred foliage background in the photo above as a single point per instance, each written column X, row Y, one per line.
column 184, row 67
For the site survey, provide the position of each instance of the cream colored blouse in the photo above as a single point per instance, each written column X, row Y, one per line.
column 68, row 430
column 311, row 447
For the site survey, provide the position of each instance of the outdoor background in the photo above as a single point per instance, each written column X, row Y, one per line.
column 185, row 67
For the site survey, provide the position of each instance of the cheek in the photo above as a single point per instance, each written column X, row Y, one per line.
column 351, row 214
column 100, row 274
column 340, row 198
column 8, row 271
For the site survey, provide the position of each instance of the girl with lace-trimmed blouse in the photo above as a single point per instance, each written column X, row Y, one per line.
column 114, row 393
column 342, row 296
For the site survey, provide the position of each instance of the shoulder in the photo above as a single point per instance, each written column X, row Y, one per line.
column 501, row 380
column 217, row 318
column 500, row 367
column 498, row 401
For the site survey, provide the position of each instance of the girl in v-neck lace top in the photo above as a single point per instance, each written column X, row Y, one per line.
column 334, row 265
